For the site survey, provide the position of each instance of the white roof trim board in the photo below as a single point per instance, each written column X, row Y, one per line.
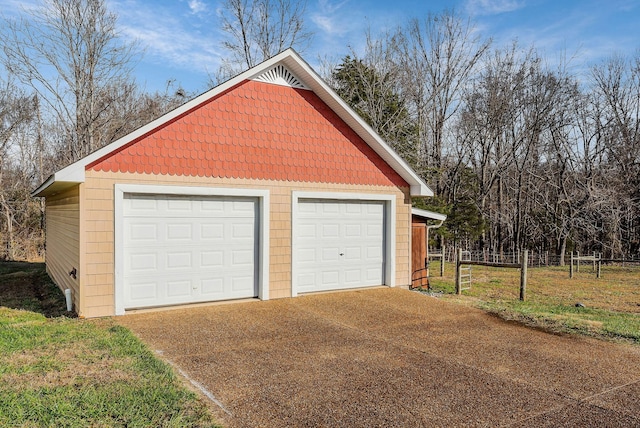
column 428, row 214
column 300, row 75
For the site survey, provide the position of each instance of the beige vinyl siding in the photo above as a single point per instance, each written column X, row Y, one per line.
column 62, row 216
column 98, row 215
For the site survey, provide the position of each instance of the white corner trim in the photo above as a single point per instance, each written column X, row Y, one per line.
column 263, row 230
column 389, row 227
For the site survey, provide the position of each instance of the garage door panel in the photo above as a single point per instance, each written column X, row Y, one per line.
column 241, row 230
column 353, row 276
column 353, row 253
column 330, row 254
column 181, row 288
column 353, row 230
column 142, row 231
column 212, row 286
column 353, row 209
column 306, row 209
column 307, row 255
column 306, row 281
column 143, row 205
column 144, row 291
column 188, row 249
column 212, row 259
column 307, row 231
column 178, row 260
column 240, row 284
column 179, row 205
column 373, row 274
column 179, row 231
column 242, row 258
column 338, row 244
column 374, row 231
column 330, row 278
column 210, row 230
column 212, row 206
column 243, row 207
column 328, row 208
column 374, row 209
column 142, row 262
column 374, row 253
column 329, row 231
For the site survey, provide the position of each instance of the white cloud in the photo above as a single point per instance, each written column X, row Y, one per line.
column 197, row 6
column 493, row 7
column 168, row 38
column 330, row 17
column 327, row 25
column 17, row 6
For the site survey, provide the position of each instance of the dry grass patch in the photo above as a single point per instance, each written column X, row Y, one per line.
column 52, row 366
column 611, row 304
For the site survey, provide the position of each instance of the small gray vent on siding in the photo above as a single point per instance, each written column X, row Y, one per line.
column 280, row 75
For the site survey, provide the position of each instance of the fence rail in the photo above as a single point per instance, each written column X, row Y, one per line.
column 536, row 258
column 463, row 271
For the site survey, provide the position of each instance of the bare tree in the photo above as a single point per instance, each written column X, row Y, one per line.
column 259, row 29
column 617, row 88
column 16, row 112
column 486, row 114
column 369, row 84
column 514, row 106
column 69, row 53
column 439, row 55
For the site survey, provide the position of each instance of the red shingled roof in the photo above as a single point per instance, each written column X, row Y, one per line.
column 261, row 131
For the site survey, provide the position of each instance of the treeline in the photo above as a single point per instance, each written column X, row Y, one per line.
column 521, row 152
column 65, row 91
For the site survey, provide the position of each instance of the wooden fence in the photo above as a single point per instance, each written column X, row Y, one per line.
column 460, row 279
column 536, row 258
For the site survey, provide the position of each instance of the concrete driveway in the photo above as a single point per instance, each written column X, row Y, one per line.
column 391, row 358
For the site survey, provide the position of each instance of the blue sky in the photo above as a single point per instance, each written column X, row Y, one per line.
column 181, row 38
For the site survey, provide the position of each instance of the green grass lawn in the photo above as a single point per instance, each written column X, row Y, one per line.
column 611, row 303
column 58, row 371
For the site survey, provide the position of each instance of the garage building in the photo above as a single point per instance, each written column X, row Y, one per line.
column 267, row 186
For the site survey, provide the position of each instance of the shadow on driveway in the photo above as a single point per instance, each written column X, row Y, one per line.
column 391, row 358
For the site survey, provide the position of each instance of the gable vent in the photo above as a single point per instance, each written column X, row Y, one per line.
column 280, row 75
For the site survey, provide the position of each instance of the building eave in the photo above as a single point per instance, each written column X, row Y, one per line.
column 428, row 215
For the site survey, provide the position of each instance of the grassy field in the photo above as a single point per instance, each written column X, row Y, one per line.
column 611, row 304
column 60, row 371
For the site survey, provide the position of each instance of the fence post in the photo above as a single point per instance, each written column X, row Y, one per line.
column 442, row 261
column 594, row 261
column 577, row 261
column 599, row 266
column 571, row 266
column 523, row 275
column 459, row 271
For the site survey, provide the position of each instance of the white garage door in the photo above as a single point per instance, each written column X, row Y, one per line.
column 338, row 244
column 185, row 249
